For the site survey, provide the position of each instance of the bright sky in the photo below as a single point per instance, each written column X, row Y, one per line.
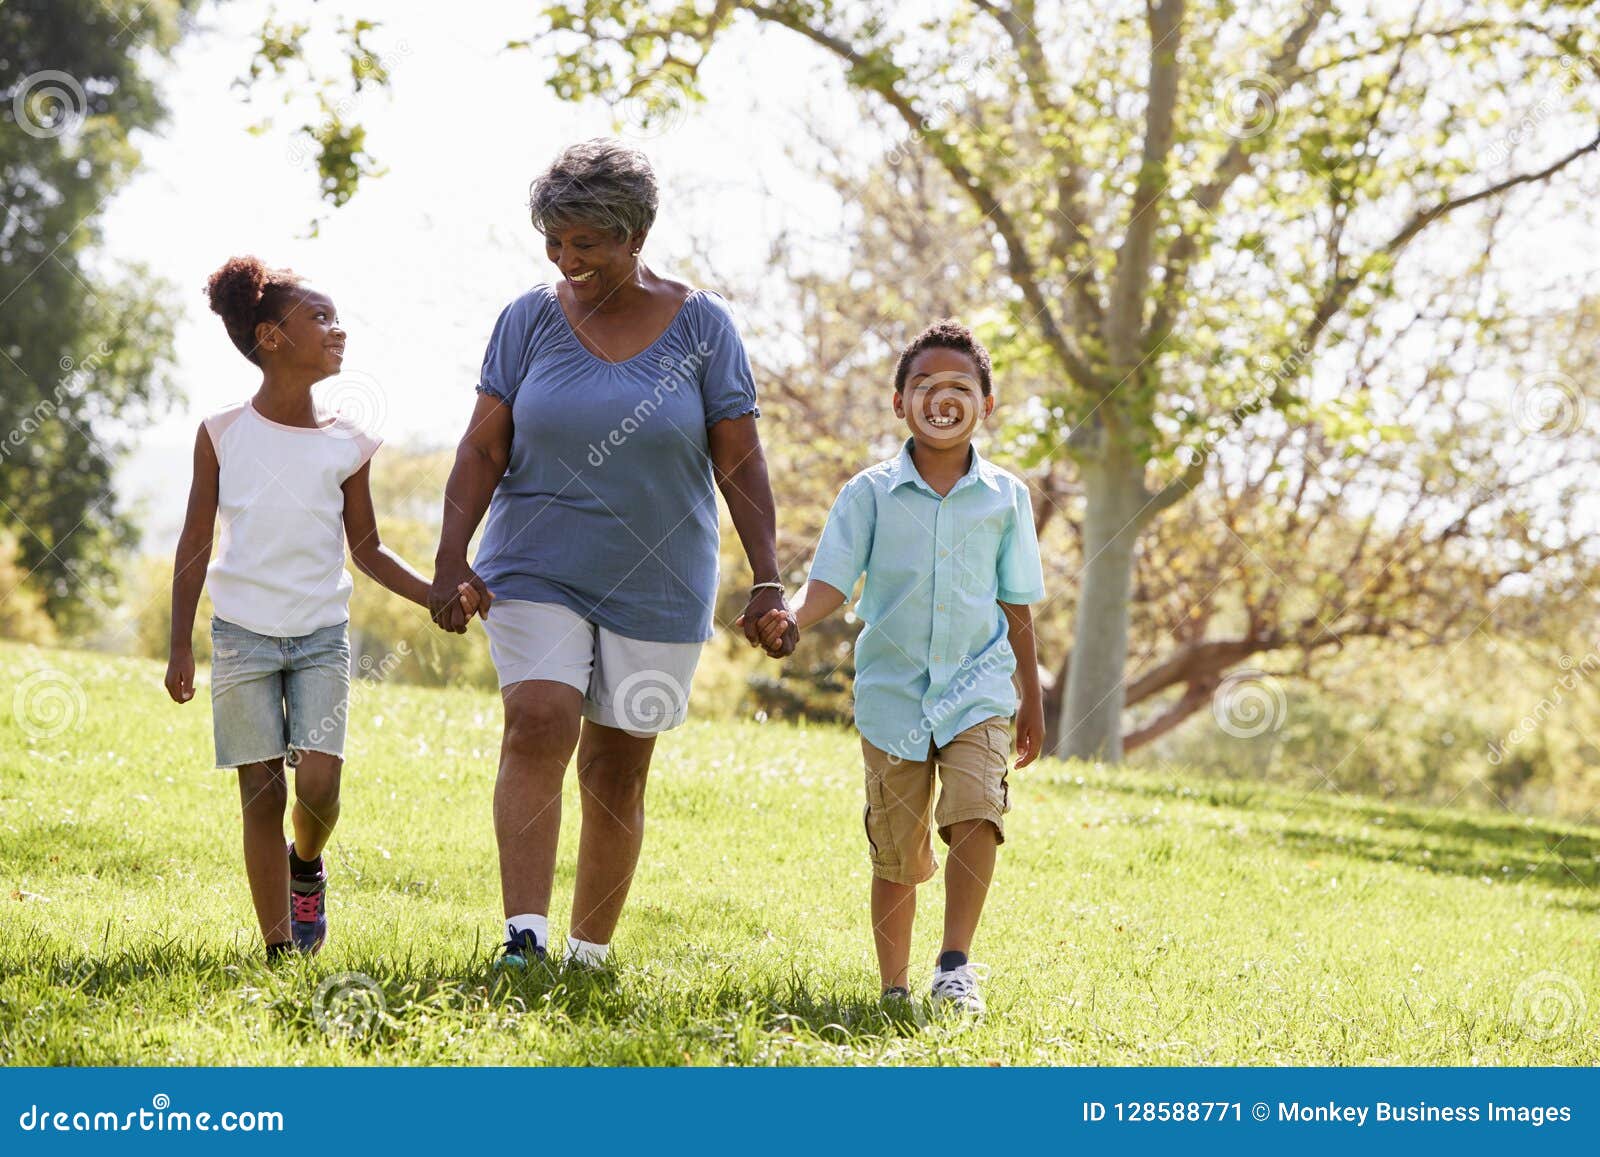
column 421, row 261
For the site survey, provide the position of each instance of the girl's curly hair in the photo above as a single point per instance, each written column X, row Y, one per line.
column 948, row 334
column 245, row 293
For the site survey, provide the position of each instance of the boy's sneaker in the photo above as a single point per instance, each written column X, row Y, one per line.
column 308, row 904
column 522, row 950
column 957, row 988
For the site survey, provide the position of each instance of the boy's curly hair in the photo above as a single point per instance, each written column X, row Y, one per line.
column 245, row 292
column 948, row 334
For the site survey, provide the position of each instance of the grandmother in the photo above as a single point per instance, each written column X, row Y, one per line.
column 609, row 402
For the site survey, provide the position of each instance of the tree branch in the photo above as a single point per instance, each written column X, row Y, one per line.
column 1234, row 164
column 878, row 76
column 1130, row 277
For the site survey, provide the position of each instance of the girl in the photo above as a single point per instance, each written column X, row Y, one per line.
column 290, row 484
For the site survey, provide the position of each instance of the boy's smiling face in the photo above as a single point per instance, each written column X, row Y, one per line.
column 943, row 402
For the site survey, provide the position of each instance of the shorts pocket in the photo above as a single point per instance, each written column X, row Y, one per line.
column 998, row 734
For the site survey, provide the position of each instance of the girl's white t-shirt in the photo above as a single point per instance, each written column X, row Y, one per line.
column 279, row 567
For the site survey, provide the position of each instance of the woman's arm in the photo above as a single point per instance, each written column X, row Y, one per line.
column 189, row 567
column 481, row 460
column 1030, row 712
column 741, row 472
column 372, row 558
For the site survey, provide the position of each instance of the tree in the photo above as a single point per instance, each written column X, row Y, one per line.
column 83, row 353
column 1176, row 195
column 1409, row 527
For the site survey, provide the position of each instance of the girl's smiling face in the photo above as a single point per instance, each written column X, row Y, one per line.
column 308, row 339
column 943, row 402
column 593, row 261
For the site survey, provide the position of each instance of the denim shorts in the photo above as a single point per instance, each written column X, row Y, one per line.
column 274, row 697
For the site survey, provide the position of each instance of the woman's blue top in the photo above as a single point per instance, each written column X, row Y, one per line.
column 608, row 504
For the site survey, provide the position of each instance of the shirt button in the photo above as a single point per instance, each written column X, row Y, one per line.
column 937, row 656
column 941, row 606
column 942, row 553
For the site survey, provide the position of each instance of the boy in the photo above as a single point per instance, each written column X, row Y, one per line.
column 943, row 537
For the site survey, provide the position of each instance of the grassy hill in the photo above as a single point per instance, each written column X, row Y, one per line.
column 1137, row 918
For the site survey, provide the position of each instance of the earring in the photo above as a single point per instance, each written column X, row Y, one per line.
column 636, row 253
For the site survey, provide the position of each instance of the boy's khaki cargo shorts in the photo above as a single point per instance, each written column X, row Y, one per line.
column 900, row 808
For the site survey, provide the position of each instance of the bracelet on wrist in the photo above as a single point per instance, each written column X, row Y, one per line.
column 776, row 586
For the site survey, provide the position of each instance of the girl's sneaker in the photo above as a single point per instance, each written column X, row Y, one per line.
column 522, row 950
column 957, row 988
column 308, row 906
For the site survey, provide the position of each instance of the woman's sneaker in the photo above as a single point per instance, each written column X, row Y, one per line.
column 957, row 988
column 308, row 903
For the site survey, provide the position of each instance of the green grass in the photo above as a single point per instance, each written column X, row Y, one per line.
column 1136, row 918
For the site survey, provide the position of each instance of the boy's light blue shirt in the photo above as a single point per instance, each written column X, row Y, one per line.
column 933, row 657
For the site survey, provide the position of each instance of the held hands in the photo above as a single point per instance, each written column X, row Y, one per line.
column 774, row 625
column 766, row 603
column 180, row 666
column 455, row 596
column 470, row 601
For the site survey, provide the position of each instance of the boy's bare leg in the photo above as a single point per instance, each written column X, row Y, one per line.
column 967, row 872
column 263, row 795
column 894, row 910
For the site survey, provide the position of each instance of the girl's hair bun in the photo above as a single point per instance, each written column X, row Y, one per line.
column 245, row 292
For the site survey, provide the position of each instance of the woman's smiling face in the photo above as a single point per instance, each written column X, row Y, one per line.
column 593, row 261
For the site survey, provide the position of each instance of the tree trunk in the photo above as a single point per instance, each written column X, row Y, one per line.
column 1091, row 714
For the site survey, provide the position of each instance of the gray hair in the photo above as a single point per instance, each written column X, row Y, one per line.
column 601, row 183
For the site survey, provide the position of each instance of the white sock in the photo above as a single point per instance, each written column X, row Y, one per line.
column 533, row 922
column 587, row 952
